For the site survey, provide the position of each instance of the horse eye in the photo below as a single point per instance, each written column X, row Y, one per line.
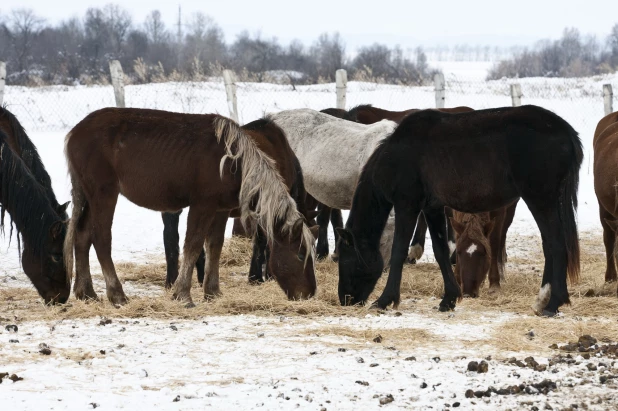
column 301, row 257
column 56, row 258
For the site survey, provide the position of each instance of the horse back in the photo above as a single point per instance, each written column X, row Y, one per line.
column 490, row 150
column 606, row 167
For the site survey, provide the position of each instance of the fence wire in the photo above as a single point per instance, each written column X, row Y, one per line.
column 59, row 108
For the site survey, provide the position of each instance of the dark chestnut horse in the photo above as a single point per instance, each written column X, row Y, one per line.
column 26, row 194
column 169, row 161
column 605, row 145
column 367, row 114
column 480, row 248
column 268, row 138
column 474, row 162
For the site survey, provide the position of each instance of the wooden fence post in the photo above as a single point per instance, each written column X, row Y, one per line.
column 608, row 98
column 516, row 94
column 230, row 90
column 341, row 81
column 438, row 81
column 2, row 80
column 117, row 74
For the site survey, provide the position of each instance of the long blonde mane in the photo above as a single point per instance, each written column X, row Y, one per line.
column 262, row 187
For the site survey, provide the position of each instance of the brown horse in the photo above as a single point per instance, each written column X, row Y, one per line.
column 367, row 114
column 605, row 145
column 26, row 192
column 480, row 248
column 169, row 161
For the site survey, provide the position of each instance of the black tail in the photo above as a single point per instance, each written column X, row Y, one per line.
column 568, row 208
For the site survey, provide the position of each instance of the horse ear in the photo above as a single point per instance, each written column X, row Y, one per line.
column 297, row 228
column 457, row 226
column 613, row 224
column 314, row 230
column 488, row 227
column 346, row 236
column 62, row 209
column 56, row 229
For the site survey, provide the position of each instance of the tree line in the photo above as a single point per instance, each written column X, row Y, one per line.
column 573, row 55
column 78, row 51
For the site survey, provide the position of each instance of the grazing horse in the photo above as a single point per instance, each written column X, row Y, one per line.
column 332, row 153
column 268, row 137
column 605, row 145
column 480, row 248
column 41, row 256
column 169, row 161
column 367, row 114
column 473, row 162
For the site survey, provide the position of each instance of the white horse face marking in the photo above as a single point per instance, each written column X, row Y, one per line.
column 473, row 247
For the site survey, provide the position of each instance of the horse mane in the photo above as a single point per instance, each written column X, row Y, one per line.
column 25, row 199
column 30, row 155
column 262, row 187
column 353, row 112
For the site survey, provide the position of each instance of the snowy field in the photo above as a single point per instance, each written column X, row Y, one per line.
column 287, row 360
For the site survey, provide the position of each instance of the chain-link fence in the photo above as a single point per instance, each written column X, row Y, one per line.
column 59, row 108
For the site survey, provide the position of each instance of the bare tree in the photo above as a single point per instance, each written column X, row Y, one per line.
column 329, row 54
column 119, row 23
column 155, row 28
column 22, row 31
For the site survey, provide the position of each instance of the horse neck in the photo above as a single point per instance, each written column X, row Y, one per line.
column 25, row 200
column 368, row 214
column 20, row 143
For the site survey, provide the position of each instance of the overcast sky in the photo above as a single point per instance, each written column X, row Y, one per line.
column 408, row 23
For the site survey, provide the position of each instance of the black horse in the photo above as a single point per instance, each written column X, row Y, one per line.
column 38, row 219
column 472, row 162
column 259, row 258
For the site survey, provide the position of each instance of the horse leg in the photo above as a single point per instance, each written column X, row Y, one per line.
column 418, row 242
column 102, row 207
column 258, row 258
column 198, row 222
column 322, row 220
column 83, row 288
column 609, row 239
column 404, row 228
column 452, row 241
column 336, row 220
column 554, row 249
column 436, row 221
column 238, row 229
column 170, row 242
column 508, row 220
column 497, row 248
column 213, row 245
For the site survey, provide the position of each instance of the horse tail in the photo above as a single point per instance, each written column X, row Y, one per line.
column 262, row 187
column 568, row 208
column 79, row 203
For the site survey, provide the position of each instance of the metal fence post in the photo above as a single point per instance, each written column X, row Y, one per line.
column 341, row 80
column 230, row 90
column 438, row 81
column 608, row 98
column 516, row 94
column 2, row 80
column 117, row 74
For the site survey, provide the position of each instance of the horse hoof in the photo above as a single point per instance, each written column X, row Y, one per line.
column 334, row 257
column 210, row 296
column 190, row 304
column 549, row 313
column 494, row 290
column 411, row 260
column 118, row 300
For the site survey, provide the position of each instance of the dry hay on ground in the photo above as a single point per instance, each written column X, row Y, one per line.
column 421, row 291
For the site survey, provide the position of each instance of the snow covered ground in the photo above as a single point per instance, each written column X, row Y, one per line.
column 274, row 362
